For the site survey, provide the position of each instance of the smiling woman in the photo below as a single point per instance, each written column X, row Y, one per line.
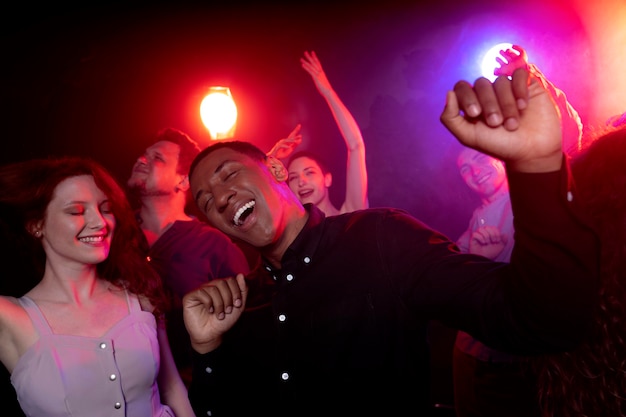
column 88, row 279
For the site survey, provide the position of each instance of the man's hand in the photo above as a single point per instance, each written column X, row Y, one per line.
column 213, row 309
column 487, row 241
column 514, row 120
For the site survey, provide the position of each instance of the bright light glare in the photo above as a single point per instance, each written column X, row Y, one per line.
column 489, row 63
column 218, row 112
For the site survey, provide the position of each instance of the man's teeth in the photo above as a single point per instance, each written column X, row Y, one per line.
column 237, row 219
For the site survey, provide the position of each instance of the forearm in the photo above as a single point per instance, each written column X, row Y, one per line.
column 555, row 259
column 356, row 167
column 346, row 123
column 179, row 402
column 207, row 390
column 171, row 387
column 542, row 300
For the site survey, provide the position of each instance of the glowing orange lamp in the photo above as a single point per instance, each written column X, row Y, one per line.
column 219, row 113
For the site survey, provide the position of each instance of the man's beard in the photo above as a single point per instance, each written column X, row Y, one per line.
column 139, row 190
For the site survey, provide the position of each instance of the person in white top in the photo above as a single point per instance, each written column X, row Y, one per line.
column 309, row 177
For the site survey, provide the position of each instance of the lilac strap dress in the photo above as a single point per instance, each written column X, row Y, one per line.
column 112, row 375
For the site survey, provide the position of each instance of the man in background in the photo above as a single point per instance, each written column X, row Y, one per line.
column 185, row 251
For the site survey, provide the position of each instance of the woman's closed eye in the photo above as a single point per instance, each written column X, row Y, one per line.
column 106, row 207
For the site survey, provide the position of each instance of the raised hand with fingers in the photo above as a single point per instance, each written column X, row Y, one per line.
column 512, row 59
column 312, row 65
column 356, row 197
column 514, row 120
column 284, row 147
column 212, row 309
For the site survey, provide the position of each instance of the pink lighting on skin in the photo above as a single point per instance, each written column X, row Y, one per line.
column 489, row 63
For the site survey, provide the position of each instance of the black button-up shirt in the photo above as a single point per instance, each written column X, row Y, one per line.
column 341, row 328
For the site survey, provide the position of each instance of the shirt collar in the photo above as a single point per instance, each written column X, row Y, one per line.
column 302, row 250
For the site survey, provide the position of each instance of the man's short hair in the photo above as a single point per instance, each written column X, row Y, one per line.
column 240, row 146
column 189, row 148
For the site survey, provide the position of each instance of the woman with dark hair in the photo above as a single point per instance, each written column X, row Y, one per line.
column 83, row 335
column 591, row 380
column 309, row 178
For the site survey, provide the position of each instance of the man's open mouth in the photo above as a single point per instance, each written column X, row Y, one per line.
column 243, row 212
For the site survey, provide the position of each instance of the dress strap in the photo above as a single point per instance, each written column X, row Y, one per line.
column 35, row 314
column 133, row 302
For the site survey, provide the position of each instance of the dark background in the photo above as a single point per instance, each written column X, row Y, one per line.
column 100, row 79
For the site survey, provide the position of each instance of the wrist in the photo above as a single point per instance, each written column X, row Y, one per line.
column 206, row 347
column 550, row 163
